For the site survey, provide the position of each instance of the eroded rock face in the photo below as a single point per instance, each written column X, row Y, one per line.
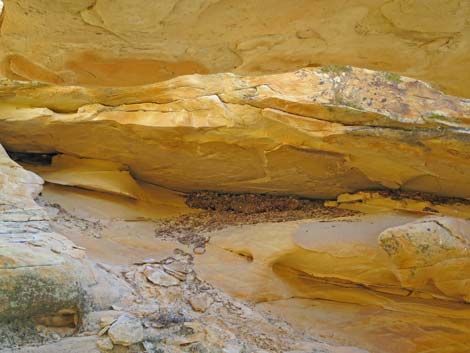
column 431, row 252
column 313, row 132
column 118, row 42
column 90, row 174
column 388, row 254
column 43, row 276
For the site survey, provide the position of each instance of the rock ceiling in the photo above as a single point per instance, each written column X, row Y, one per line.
column 130, row 42
column 313, row 132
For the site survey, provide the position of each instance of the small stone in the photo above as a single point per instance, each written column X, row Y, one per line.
column 199, row 250
column 105, row 344
column 56, row 249
column 126, row 330
column 103, row 330
column 186, row 340
column 177, row 269
column 198, row 347
column 108, row 320
column 146, row 261
column 200, row 302
column 160, row 277
column 178, row 266
column 149, row 347
column 232, row 348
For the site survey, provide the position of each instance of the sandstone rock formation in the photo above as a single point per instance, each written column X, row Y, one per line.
column 313, row 132
column 91, row 174
column 49, row 290
column 96, row 102
column 43, row 275
column 432, row 252
column 121, row 42
column 427, row 258
column 385, row 201
column 237, row 185
column 373, row 279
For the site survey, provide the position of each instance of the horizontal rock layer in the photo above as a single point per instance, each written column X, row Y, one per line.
column 313, row 132
column 380, row 201
column 121, row 42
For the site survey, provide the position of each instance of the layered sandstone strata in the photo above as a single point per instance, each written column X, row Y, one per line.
column 313, row 132
column 122, row 42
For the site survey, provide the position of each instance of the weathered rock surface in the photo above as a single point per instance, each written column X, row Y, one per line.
column 409, row 330
column 43, row 276
column 117, row 42
column 321, row 133
column 90, row 174
column 105, row 344
column 41, row 271
column 126, row 331
column 169, row 322
column 47, row 284
column 248, row 262
column 380, row 201
column 314, row 132
column 428, row 258
column 200, row 302
column 431, row 253
column 335, row 279
column 160, row 277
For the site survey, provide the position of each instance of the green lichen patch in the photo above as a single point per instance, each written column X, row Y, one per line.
column 15, row 332
column 436, row 117
column 390, row 245
column 348, row 104
column 29, row 294
column 440, row 118
column 391, row 77
column 423, row 249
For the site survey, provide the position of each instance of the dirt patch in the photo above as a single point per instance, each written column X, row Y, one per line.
column 222, row 210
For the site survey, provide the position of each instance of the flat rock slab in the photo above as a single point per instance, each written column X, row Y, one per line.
column 126, row 331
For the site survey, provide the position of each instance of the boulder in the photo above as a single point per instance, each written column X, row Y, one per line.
column 431, row 253
column 160, row 277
